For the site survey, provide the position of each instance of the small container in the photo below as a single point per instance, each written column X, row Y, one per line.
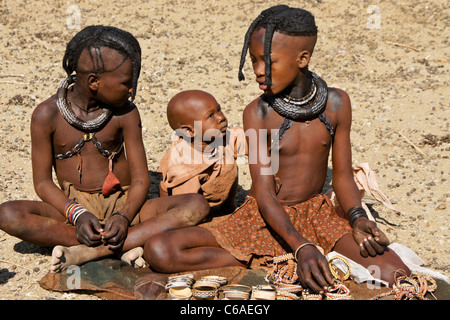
column 180, row 293
column 264, row 292
column 236, row 292
column 205, row 289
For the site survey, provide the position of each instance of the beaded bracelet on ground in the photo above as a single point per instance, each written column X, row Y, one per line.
column 338, row 292
column 285, row 295
column 284, row 273
column 416, row 286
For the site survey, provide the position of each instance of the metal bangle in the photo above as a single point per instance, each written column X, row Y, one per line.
column 122, row 215
column 300, row 247
column 355, row 213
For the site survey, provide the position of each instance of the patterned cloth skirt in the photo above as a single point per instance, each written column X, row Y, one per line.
column 245, row 234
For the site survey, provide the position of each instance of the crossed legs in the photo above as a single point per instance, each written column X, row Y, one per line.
column 187, row 249
column 39, row 223
column 195, row 248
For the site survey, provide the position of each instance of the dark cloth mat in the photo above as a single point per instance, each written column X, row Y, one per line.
column 113, row 279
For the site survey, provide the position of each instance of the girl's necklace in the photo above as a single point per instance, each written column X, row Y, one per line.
column 69, row 115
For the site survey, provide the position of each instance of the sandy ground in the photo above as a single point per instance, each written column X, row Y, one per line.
column 392, row 57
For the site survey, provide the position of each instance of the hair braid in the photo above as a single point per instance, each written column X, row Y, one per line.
column 246, row 43
column 97, row 37
column 281, row 18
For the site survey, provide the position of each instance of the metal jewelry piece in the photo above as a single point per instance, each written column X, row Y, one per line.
column 69, row 115
column 302, row 102
column 236, row 292
column 299, row 110
column 264, row 292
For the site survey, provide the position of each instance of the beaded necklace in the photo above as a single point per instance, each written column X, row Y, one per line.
column 69, row 115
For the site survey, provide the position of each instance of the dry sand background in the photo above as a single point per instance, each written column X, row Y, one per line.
column 397, row 76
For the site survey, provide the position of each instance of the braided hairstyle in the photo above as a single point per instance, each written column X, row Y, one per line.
column 97, row 37
column 281, row 18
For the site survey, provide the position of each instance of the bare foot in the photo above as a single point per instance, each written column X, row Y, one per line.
column 135, row 257
column 63, row 257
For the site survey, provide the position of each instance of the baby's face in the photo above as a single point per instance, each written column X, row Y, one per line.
column 211, row 118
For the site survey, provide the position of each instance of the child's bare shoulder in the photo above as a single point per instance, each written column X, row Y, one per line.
column 46, row 110
column 257, row 109
column 337, row 98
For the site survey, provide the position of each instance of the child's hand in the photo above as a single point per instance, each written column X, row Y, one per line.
column 313, row 270
column 88, row 230
column 369, row 237
column 115, row 232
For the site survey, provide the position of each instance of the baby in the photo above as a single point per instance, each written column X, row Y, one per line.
column 202, row 158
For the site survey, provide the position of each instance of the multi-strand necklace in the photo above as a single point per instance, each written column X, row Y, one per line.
column 69, row 115
column 307, row 108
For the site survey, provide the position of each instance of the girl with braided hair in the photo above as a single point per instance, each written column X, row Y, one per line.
column 307, row 119
column 286, row 212
column 89, row 133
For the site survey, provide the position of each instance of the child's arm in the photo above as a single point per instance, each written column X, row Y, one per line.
column 312, row 266
column 42, row 158
column 344, row 184
column 42, row 130
column 116, row 227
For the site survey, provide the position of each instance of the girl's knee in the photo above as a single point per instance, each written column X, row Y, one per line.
column 159, row 253
column 391, row 271
column 196, row 209
column 9, row 212
column 389, row 268
column 199, row 203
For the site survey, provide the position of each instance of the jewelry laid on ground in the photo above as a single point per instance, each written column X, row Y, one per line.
column 407, row 288
column 284, row 276
column 283, row 283
column 334, row 268
column 236, row 292
column 180, row 287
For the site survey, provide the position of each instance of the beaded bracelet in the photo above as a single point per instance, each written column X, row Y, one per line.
column 338, row 292
column 73, row 211
column 236, row 292
column 217, row 279
column 283, row 258
column 205, row 289
column 284, row 295
column 333, row 268
column 356, row 213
